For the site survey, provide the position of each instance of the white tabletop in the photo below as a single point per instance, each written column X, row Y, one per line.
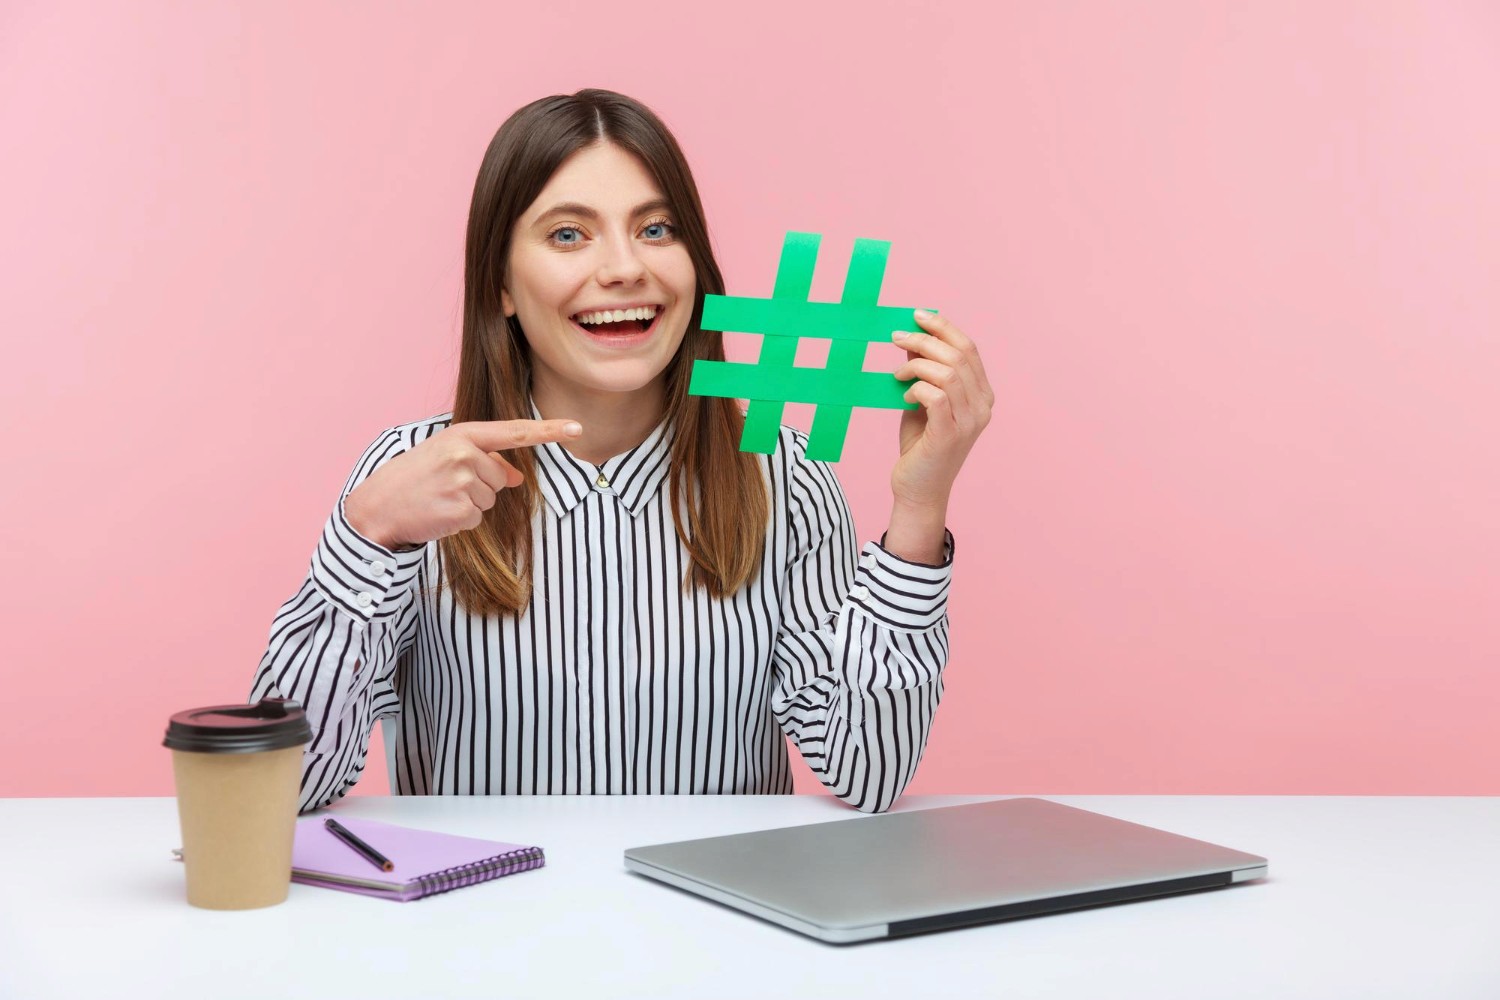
column 1367, row 897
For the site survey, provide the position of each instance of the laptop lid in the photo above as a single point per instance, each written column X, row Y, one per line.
column 933, row 869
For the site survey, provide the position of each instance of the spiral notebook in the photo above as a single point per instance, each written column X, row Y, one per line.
column 426, row 862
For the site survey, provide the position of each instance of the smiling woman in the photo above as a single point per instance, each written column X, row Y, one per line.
column 569, row 214
column 575, row 581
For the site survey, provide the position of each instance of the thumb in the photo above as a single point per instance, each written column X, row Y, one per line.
column 513, row 477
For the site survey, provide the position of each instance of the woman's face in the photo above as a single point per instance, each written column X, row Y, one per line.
column 600, row 236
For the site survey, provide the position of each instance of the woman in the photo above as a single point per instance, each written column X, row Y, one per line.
column 575, row 582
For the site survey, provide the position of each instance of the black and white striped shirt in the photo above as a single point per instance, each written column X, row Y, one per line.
column 616, row 680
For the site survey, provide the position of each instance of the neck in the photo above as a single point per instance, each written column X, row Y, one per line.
column 613, row 422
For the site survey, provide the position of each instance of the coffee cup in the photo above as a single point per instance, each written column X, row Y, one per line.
column 238, row 769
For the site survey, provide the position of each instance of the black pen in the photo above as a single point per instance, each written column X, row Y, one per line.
column 365, row 850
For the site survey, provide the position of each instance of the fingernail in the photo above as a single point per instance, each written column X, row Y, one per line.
column 922, row 314
column 573, row 427
column 900, row 335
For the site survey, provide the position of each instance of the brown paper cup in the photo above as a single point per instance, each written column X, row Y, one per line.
column 238, row 770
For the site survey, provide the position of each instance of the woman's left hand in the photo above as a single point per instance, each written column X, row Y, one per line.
column 956, row 400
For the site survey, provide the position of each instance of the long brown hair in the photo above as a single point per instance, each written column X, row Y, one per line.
column 718, row 489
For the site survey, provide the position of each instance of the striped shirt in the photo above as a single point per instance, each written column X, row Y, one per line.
column 617, row 680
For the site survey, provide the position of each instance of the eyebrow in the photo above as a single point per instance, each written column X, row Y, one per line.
column 574, row 208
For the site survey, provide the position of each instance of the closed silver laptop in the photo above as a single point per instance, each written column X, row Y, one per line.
column 934, row 869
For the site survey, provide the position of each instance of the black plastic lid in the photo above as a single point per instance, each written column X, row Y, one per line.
column 274, row 724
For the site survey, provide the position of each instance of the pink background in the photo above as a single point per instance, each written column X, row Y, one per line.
column 1235, row 526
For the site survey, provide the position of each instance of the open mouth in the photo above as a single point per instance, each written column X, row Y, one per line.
column 618, row 322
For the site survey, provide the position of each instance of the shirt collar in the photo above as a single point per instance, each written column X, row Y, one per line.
column 634, row 477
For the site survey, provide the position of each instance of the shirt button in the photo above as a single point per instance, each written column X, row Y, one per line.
column 364, row 600
column 867, row 560
column 602, row 482
column 860, row 593
column 378, row 567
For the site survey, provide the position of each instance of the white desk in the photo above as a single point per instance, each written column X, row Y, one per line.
column 1367, row 898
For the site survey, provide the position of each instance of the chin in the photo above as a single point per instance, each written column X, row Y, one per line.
column 626, row 378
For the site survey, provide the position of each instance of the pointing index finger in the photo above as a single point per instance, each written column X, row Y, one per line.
column 499, row 435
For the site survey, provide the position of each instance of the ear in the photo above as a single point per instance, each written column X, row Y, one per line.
column 507, row 304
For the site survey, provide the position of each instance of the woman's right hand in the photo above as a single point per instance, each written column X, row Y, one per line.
column 445, row 484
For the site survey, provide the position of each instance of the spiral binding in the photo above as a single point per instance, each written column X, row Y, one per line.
column 520, row 860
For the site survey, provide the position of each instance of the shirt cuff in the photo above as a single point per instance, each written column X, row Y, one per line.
column 901, row 594
column 356, row 574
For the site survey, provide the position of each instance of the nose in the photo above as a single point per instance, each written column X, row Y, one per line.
column 621, row 263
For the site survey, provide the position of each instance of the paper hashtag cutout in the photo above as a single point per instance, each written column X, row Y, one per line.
column 783, row 319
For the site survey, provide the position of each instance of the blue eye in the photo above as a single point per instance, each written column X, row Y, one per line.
column 653, row 232
column 667, row 230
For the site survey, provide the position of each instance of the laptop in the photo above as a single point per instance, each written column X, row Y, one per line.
column 935, row 869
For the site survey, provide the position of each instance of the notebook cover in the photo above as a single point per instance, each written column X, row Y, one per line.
column 426, row 862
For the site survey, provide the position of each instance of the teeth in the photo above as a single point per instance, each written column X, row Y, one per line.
column 616, row 315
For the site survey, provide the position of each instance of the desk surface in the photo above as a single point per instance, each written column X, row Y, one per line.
column 1367, row 897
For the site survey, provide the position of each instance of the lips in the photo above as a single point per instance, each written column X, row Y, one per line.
column 625, row 333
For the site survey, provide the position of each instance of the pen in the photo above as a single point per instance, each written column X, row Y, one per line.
column 365, row 850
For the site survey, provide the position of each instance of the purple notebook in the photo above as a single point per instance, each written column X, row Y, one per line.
column 426, row 862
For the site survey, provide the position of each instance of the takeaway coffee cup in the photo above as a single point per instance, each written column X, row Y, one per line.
column 238, row 768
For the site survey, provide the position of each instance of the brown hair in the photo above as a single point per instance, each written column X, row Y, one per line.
column 716, row 487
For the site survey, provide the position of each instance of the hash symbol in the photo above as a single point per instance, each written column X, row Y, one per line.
column 783, row 319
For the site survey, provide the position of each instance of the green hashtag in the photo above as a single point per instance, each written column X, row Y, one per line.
column 786, row 317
